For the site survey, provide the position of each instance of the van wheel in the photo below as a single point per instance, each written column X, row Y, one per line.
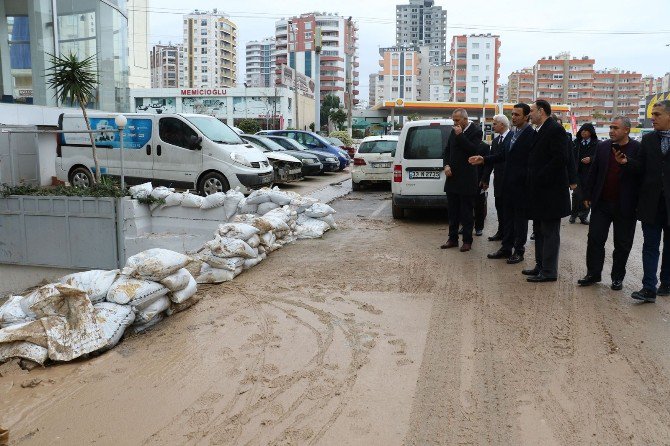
column 212, row 183
column 81, row 177
column 356, row 186
column 397, row 211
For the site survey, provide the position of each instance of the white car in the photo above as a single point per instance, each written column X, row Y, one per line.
column 373, row 162
column 418, row 176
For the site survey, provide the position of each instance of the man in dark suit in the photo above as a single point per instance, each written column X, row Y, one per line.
column 653, row 208
column 548, row 191
column 461, row 184
column 584, row 148
column 610, row 191
column 500, row 144
column 513, row 187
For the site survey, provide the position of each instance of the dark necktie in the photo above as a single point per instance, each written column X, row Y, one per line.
column 664, row 135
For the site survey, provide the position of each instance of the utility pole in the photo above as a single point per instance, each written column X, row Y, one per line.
column 348, row 54
column 317, row 80
column 293, row 32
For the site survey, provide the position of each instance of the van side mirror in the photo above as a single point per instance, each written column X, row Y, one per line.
column 194, row 142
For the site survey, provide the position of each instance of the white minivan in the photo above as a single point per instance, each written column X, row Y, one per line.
column 418, row 177
column 187, row 151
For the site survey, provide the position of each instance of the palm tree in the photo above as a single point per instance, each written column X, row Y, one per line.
column 75, row 81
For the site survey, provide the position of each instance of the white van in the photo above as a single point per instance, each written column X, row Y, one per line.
column 418, row 176
column 186, row 151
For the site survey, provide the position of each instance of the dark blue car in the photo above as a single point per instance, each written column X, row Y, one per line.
column 314, row 142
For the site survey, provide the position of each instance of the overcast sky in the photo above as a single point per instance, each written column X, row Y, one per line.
column 585, row 28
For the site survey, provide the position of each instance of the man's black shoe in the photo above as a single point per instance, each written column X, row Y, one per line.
column 496, row 237
column 515, row 258
column 541, row 278
column 499, row 254
column 531, row 272
column 663, row 290
column 572, row 219
column 645, row 295
column 585, row 221
column 617, row 285
column 588, row 280
column 479, row 232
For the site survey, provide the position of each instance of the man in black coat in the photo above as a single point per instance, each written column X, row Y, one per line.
column 610, row 191
column 584, row 147
column 500, row 144
column 653, row 207
column 514, row 187
column 548, row 191
column 461, row 184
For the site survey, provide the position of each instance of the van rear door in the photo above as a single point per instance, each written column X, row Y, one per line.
column 422, row 170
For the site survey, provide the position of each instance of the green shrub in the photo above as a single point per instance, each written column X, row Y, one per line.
column 249, row 126
column 343, row 136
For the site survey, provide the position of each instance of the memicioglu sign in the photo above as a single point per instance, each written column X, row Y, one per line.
column 204, row 92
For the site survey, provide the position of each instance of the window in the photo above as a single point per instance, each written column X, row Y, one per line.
column 203, row 41
column 475, row 45
column 475, row 79
column 475, row 56
column 488, row 56
column 308, row 25
column 475, row 68
column 488, row 46
column 203, row 22
column 426, row 142
column 308, row 35
column 474, row 89
column 308, row 45
column 174, row 131
column 203, row 50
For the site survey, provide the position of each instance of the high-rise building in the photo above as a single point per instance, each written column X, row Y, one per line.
column 139, row 72
column 439, row 83
column 422, row 23
column 339, row 54
column 261, row 65
column 167, row 62
column 475, row 63
column 372, row 90
column 502, row 93
column 210, row 43
column 399, row 74
column 616, row 93
column 520, row 86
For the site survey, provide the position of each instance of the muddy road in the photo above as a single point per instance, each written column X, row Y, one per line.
column 373, row 336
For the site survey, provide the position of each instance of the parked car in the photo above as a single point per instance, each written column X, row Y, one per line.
column 351, row 150
column 287, row 168
column 418, row 176
column 188, row 151
column 312, row 141
column 329, row 162
column 310, row 163
column 374, row 161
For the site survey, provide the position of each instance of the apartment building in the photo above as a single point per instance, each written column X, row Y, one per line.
column 475, row 63
column 399, row 74
column 260, row 66
column 616, row 93
column 422, row 23
column 520, row 86
column 166, row 62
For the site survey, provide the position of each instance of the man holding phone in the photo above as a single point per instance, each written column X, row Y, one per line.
column 611, row 191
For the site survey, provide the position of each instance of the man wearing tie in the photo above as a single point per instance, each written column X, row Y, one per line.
column 500, row 143
column 513, row 187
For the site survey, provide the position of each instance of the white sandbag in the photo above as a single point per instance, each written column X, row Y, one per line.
column 330, row 220
column 284, row 214
column 38, row 303
column 192, row 201
column 262, row 249
column 141, row 190
column 176, row 308
column 268, row 239
column 231, row 205
column 177, row 281
column 250, row 263
column 95, row 283
column 280, row 197
column 262, row 255
column 230, row 247
column 243, row 218
column 302, row 203
column 186, row 293
column 246, row 208
column 254, row 241
column 150, row 311
column 264, row 208
column 24, row 350
column 229, row 263
column 11, row 312
column 174, row 199
column 113, row 320
column 214, row 275
column 155, row 264
column 242, row 231
column 269, row 223
column 126, row 289
column 318, row 210
column 141, row 328
column 310, row 227
column 258, row 196
column 161, row 192
column 215, row 200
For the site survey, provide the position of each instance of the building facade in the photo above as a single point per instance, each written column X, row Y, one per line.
column 520, row 86
column 295, row 47
column 439, row 83
column 210, row 43
column 475, row 68
column 399, row 74
column 422, row 23
column 167, row 63
column 84, row 28
column 139, row 74
column 261, row 64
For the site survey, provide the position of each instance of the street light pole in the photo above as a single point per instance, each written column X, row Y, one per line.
column 121, row 122
column 484, row 102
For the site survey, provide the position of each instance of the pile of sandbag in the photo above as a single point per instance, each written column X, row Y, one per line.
column 90, row 311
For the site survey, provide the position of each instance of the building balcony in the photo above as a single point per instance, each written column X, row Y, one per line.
column 331, row 88
column 331, row 78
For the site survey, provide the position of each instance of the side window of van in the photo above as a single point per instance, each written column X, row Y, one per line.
column 310, row 140
column 175, row 132
column 426, row 142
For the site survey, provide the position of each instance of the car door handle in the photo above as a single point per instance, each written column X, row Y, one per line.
column 158, row 150
column 148, row 149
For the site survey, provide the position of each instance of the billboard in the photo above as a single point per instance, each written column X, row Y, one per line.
column 650, row 102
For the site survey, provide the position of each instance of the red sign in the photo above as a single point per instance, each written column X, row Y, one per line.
column 573, row 121
column 204, row 92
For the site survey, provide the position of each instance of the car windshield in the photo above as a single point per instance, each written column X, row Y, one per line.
column 295, row 144
column 215, row 130
column 335, row 141
column 267, row 142
column 381, row 146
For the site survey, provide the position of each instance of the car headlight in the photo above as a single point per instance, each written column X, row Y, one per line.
column 240, row 159
column 307, row 161
column 331, row 160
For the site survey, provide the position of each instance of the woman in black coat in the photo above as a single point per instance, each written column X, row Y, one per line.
column 584, row 148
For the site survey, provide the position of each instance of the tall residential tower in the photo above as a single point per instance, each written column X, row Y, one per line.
column 422, row 23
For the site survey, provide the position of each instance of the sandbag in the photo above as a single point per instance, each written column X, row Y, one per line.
column 264, row 208
column 32, row 332
column 215, row 200
column 281, row 197
column 176, row 308
column 302, row 203
column 177, row 281
column 174, row 199
column 269, row 223
column 151, row 311
column 231, row 205
column 192, row 201
column 258, row 196
column 126, row 289
column 185, row 293
column 230, row 247
column 268, row 239
column 214, row 275
column 24, row 350
column 39, row 303
column 240, row 231
column 246, row 208
column 330, row 220
column 318, row 210
column 229, row 263
column 161, row 192
column 95, row 283
column 250, row 263
column 141, row 190
column 284, row 214
column 141, row 328
column 113, row 320
column 155, row 264
column 254, row 241
column 310, row 227
column 11, row 312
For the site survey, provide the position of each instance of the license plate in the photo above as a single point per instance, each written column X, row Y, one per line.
column 424, row 174
column 381, row 165
column 294, row 171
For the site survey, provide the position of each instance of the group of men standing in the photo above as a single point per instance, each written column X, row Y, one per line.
column 619, row 181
